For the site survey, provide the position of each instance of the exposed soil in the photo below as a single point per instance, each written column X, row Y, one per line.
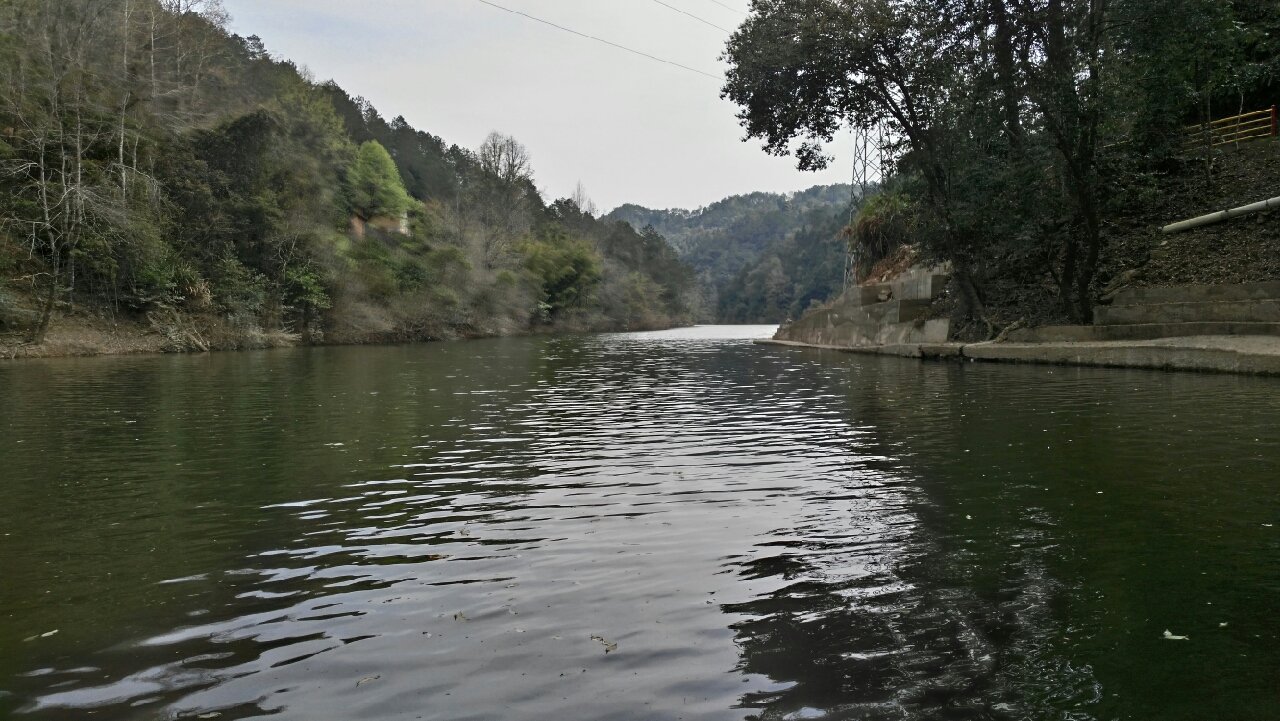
column 893, row 265
column 1242, row 250
column 79, row 331
column 82, row 333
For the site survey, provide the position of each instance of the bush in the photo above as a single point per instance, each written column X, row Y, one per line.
column 884, row 223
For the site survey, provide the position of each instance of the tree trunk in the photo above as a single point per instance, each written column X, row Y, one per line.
column 306, row 323
column 970, row 298
column 41, row 328
column 1004, row 61
column 1069, row 262
column 1093, row 243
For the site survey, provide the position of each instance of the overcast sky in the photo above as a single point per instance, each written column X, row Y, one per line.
column 630, row 129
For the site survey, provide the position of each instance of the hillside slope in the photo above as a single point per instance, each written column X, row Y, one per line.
column 758, row 257
column 210, row 195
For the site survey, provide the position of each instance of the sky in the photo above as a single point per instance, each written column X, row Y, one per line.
column 630, row 129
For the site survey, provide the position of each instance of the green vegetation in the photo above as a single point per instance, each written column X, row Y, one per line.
column 883, row 224
column 1027, row 136
column 760, row 257
column 373, row 184
column 154, row 167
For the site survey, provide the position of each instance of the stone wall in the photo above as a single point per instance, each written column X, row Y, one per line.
column 889, row 313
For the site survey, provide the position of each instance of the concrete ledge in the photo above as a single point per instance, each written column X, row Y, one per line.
column 1198, row 293
column 1223, row 354
column 901, row 350
column 1257, row 355
column 1152, row 331
column 1222, row 311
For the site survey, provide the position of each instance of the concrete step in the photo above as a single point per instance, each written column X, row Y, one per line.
column 1266, row 290
column 909, row 310
column 1240, row 311
column 921, row 284
column 892, row 311
column 872, row 294
column 1137, row 331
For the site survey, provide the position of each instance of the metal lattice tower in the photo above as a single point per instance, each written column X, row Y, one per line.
column 868, row 164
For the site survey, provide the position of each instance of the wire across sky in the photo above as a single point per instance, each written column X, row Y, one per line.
column 610, row 43
column 695, row 17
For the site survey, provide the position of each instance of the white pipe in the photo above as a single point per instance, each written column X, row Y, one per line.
column 1222, row 215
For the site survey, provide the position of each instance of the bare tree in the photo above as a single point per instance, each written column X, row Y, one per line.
column 506, row 158
column 61, row 101
column 584, row 201
column 504, row 191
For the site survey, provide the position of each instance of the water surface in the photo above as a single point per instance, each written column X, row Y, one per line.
column 641, row 526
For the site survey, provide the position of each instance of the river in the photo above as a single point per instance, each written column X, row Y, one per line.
column 670, row 525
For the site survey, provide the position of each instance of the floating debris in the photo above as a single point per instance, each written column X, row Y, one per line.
column 1169, row 636
column 607, row 645
column 367, row 679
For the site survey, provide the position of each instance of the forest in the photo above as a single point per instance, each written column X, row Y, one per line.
column 1032, row 144
column 156, row 168
column 759, row 257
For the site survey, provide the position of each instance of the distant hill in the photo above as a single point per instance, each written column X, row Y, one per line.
column 759, row 257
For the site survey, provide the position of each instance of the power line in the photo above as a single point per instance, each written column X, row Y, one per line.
column 726, row 7
column 695, row 17
column 602, row 40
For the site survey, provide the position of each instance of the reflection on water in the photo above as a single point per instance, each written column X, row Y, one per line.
column 654, row 525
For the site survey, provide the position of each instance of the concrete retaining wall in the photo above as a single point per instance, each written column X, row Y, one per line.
column 890, row 313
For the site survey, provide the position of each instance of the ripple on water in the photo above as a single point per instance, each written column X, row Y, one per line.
column 660, row 525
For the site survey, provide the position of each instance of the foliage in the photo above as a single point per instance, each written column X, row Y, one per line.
column 373, row 183
column 161, row 163
column 1019, row 128
column 724, row 241
column 883, row 224
column 806, row 268
column 566, row 270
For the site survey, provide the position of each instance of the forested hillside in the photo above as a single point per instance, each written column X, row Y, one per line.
column 156, row 169
column 759, row 257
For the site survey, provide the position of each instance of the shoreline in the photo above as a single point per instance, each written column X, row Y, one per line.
column 90, row 340
column 1247, row 355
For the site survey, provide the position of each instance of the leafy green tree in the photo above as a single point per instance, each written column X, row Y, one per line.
column 373, row 184
column 567, row 271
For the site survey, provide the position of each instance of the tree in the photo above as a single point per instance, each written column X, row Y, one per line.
column 61, row 112
column 802, row 69
column 503, row 157
column 502, row 196
column 584, row 201
column 153, row 163
column 567, row 271
column 373, row 183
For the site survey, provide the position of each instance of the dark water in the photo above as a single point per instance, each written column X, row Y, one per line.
column 649, row 526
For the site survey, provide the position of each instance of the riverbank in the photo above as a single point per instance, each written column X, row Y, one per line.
column 1253, row 355
column 91, row 335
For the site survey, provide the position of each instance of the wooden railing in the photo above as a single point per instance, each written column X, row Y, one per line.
column 1228, row 131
